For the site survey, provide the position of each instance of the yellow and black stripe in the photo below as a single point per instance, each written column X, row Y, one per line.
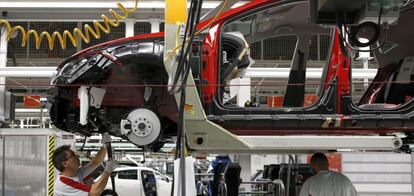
column 51, row 168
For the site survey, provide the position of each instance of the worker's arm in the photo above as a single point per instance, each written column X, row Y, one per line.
column 99, row 186
column 97, row 160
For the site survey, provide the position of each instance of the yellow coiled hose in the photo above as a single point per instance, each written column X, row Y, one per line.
column 73, row 37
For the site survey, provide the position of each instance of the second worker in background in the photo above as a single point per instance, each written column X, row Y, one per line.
column 326, row 182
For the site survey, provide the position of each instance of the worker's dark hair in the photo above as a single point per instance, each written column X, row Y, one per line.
column 320, row 160
column 60, row 155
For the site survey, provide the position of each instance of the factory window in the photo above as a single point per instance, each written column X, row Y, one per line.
column 279, row 48
column 14, row 47
column 392, row 88
column 44, row 51
column 128, row 174
column 116, row 33
column 162, row 26
column 386, row 78
column 19, row 54
column 142, row 28
column 318, row 48
column 273, row 41
column 149, row 183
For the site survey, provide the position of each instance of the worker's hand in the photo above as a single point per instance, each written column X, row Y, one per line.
column 106, row 138
column 110, row 166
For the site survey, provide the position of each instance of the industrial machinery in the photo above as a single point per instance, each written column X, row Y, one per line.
column 123, row 86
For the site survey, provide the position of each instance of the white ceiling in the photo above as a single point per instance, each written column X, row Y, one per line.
column 76, row 10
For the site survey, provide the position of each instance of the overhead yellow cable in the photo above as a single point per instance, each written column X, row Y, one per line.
column 76, row 34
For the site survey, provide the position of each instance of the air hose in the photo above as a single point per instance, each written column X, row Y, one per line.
column 76, row 34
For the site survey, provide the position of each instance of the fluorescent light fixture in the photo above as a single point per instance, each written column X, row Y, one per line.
column 97, row 4
column 315, row 73
column 38, row 72
column 63, row 4
column 29, row 110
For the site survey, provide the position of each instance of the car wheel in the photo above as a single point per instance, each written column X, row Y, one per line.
column 109, row 193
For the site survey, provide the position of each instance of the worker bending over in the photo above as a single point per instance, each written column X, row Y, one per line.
column 74, row 179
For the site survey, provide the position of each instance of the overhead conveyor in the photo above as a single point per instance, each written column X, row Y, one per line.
column 280, row 73
column 312, row 143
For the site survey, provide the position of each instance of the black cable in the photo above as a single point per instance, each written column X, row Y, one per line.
column 180, row 62
column 191, row 24
column 83, row 145
column 186, row 66
column 183, row 70
column 143, row 154
column 186, row 73
column 379, row 17
column 194, row 20
column 200, row 5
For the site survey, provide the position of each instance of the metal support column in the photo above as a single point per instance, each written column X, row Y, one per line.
column 245, row 162
column 3, row 61
column 244, row 91
column 3, row 181
column 155, row 25
column 129, row 27
column 175, row 14
column 412, row 173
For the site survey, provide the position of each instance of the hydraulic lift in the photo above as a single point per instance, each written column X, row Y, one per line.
column 205, row 136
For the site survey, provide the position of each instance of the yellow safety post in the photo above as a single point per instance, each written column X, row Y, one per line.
column 51, row 169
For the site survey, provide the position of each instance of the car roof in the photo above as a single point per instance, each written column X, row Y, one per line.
column 121, row 168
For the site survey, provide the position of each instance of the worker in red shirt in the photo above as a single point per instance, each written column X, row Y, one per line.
column 74, row 179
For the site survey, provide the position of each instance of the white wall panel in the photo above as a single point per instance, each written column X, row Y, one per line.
column 376, row 167
column 25, row 165
column 1, row 164
column 379, row 174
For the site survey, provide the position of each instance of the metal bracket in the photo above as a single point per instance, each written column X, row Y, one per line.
column 305, row 144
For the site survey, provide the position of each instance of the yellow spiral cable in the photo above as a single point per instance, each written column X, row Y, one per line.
column 77, row 33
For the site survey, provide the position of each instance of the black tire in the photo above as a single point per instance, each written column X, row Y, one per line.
column 109, row 193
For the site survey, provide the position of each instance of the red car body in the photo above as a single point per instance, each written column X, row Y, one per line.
column 334, row 112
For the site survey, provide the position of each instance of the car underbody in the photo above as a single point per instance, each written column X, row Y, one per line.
column 135, row 100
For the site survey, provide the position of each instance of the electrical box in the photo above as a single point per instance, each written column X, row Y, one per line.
column 353, row 11
column 9, row 107
column 371, row 12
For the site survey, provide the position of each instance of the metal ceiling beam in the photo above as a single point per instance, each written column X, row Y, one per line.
column 216, row 10
column 96, row 4
column 312, row 73
column 280, row 73
column 312, row 143
column 85, row 10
